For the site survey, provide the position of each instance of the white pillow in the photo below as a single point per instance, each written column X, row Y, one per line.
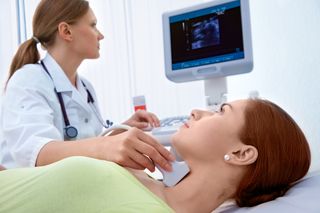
column 302, row 197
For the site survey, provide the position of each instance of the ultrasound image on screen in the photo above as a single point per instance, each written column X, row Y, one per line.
column 205, row 33
column 212, row 34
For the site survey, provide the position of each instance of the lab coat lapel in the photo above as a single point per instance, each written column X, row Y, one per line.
column 80, row 95
column 63, row 84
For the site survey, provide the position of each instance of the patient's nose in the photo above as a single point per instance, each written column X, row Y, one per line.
column 197, row 114
column 194, row 114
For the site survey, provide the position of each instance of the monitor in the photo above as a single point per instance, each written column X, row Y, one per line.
column 206, row 41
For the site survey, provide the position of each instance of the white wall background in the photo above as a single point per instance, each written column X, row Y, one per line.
column 286, row 59
column 286, row 46
column 8, row 37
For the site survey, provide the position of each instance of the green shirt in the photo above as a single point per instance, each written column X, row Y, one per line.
column 75, row 185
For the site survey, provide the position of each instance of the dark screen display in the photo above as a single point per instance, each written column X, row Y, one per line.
column 207, row 36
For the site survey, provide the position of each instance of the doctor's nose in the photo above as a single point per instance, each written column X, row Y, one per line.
column 100, row 36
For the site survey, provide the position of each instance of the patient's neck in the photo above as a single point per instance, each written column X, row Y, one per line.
column 203, row 190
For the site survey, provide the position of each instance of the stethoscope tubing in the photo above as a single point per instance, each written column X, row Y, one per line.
column 71, row 131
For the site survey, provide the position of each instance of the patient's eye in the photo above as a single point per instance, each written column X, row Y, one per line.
column 221, row 109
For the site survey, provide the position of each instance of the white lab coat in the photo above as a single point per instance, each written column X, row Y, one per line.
column 31, row 115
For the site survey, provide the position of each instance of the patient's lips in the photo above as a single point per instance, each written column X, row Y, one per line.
column 186, row 125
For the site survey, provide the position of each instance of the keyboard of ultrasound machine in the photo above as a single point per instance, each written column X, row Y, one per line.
column 170, row 125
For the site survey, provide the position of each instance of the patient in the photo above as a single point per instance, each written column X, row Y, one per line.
column 250, row 151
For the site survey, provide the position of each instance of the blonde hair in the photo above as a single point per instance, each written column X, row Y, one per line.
column 48, row 15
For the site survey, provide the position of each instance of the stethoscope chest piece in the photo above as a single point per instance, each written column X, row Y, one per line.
column 71, row 132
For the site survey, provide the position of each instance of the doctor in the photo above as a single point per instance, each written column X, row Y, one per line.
column 49, row 112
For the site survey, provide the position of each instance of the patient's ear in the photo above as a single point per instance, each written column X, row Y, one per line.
column 243, row 155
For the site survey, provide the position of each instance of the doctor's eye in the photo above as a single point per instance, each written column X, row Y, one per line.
column 94, row 24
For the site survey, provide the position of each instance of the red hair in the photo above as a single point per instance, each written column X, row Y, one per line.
column 284, row 154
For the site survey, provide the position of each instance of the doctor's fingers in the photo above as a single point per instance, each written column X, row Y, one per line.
column 123, row 152
column 145, row 144
column 149, row 117
column 135, row 161
column 144, row 150
column 140, row 161
column 155, row 120
column 133, row 153
column 156, row 151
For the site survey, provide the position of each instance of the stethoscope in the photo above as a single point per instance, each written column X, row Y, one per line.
column 69, row 130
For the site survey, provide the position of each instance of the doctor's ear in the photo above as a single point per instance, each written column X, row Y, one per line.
column 64, row 31
column 244, row 155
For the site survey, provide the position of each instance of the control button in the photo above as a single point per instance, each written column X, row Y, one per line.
column 209, row 70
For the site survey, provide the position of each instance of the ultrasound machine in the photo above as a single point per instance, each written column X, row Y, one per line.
column 204, row 42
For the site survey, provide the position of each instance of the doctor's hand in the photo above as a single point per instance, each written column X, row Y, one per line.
column 142, row 119
column 2, row 168
column 137, row 150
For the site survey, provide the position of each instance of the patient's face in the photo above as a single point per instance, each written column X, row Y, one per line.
column 211, row 134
